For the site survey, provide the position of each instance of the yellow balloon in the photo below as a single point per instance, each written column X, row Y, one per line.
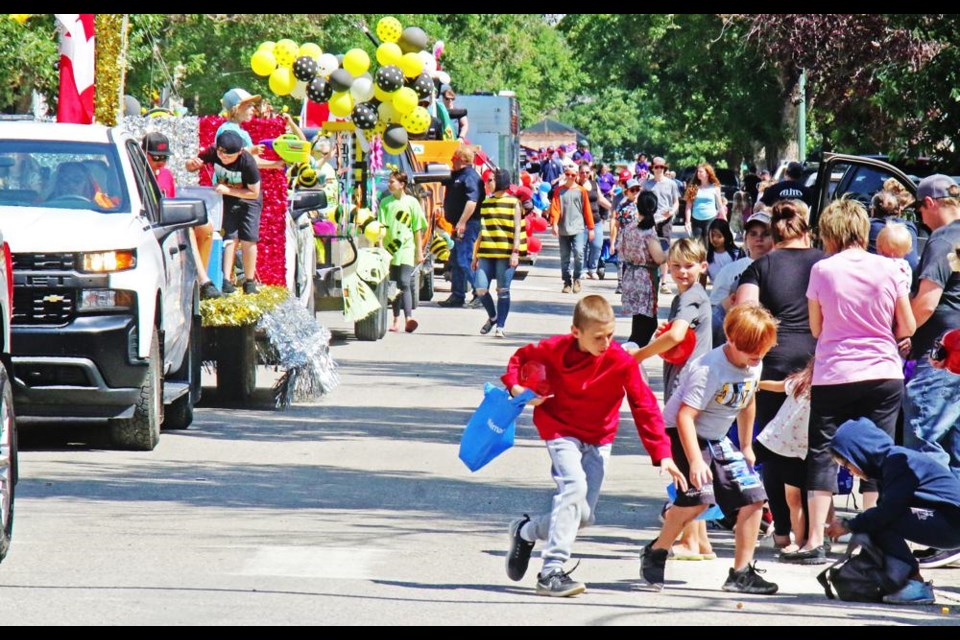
column 417, row 121
column 263, row 62
column 282, row 81
column 268, row 45
column 310, row 50
column 341, row 104
column 394, row 151
column 356, row 61
column 389, row 30
column 389, row 54
column 382, row 95
column 405, row 100
column 380, row 128
column 388, row 114
column 372, row 231
column 411, row 64
column 20, row 18
column 285, row 51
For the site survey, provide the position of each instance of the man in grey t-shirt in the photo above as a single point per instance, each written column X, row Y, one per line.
column 668, row 204
column 572, row 222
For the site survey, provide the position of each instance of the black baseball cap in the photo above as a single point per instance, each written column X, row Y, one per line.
column 156, row 144
column 230, row 142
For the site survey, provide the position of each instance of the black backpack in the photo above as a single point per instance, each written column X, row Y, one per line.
column 864, row 573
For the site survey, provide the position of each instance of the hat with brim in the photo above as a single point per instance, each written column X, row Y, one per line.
column 236, row 97
column 760, row 217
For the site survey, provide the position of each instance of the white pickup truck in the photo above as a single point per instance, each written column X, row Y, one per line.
column 106, row 304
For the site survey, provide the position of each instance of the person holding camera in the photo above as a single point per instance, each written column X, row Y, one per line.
column 633, row 237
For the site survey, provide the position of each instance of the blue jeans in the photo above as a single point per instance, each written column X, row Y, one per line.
column 931, row 414
column 936, row 526
column 572, row 245
column 578, row 469
column 488, row 270
column 462, row 261
column 594, row 248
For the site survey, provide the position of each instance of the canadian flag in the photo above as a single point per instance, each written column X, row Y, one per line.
column 76, row 68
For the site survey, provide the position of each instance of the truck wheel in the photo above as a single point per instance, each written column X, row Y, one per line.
column 142, row 431
column 8, row 461
column 374, row 326
column 179, row 415
column 236, row 363
column 426, row 285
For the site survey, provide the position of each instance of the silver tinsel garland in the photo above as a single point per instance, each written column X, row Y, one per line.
column 184, row 135
column 300, row 346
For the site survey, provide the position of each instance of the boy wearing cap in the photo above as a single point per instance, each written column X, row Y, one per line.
column 570, row 216
column 157, row 147
column 237, row 179
column 789, row 189
column 240, row 107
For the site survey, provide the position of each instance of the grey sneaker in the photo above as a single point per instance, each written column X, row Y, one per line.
column 476, row 303
column 518, row 558
column 653, row 564
column 559, row 584
column 748, row 580
column 250, row 288
column 576, row 286
column 209, row 291
column 228, row 287
column 914, row 592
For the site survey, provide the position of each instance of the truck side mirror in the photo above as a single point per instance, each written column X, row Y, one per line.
column 179, row 213
column 436, row 172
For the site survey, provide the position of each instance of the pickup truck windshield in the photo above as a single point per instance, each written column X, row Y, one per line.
column 61, row 175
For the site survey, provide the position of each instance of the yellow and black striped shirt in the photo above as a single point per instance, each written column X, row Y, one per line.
column 497, row 229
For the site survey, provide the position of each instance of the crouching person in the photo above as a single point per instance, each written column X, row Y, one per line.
column 920, row 501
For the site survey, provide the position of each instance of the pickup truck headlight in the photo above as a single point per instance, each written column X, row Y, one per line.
column 105, row 300
column 109, row 261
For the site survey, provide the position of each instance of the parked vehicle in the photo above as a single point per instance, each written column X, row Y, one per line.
column 106, row 319
column 495, row 127
column 9, row 466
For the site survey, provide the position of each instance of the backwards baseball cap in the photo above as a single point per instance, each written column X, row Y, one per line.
column 937, row 186
column 230, row 142
column 624, row 175
column 795, row 170
column 156, row 144
column 236, row 97
column 760, row 217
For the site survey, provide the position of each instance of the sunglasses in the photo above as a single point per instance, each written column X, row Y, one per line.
column 659, row 166
column 633, row 190
column 159, row 158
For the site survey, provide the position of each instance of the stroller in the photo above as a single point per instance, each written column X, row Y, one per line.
column 606, row 259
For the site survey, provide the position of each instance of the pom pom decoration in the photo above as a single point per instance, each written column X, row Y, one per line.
column 389, row 78
column 389, row 30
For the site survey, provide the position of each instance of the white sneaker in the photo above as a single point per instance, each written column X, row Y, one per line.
column 498, row 333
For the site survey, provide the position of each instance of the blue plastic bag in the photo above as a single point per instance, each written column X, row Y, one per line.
column 491, row 429
column 713, row 513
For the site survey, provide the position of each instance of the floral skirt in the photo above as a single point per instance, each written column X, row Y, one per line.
column 639, row 284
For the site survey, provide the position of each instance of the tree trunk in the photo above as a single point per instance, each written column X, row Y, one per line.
column 790, row 119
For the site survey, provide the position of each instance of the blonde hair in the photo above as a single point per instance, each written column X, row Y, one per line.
column 896, row 188
column 464, row 154
column 592, row 309
column 789, row 220
column 689, row 249
column 894, row 240
column 844, row 225
column 751, row 328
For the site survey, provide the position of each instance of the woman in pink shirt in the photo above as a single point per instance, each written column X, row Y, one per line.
column 859, row 312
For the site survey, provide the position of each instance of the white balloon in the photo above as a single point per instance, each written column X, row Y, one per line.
column 327, row 64
column 443, row 77
column 362, row 89
column 429, row 62
column 299, row 90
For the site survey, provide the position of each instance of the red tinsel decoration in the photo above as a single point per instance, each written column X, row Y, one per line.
column 271, row 250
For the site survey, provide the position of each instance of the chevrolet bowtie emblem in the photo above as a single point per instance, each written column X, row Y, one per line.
column 53, row 298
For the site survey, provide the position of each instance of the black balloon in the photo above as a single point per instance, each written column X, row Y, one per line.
column 389, row 78
column 341, row 80
column 305, row 69
column 395, row 137
column 423, row 85
column 319, row 90
column 365, row 116
column 414, row 39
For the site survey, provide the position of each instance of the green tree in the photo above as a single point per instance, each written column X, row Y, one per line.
column 30, row 53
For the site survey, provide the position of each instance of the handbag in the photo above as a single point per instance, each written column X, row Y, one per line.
column 491, row 428
column 866, row 576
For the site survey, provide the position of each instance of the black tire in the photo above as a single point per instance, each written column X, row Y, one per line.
column 374, row 326
column 415, row 289
column 8, row 462
column 601, row 272
column 236, row 363
column 426, row 284
column 179, row 414
column 142, row 431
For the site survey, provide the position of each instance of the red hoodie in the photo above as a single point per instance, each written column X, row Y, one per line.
column 588, row 392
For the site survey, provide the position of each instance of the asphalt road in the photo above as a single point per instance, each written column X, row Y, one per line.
column 356, row 511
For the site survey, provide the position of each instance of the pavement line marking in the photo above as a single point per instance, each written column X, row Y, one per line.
column 315, row 562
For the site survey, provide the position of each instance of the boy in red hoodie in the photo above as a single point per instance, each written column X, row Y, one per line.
column 588, row 375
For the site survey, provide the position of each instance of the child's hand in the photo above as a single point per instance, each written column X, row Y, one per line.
column 257, row 149
column 749, row 456
column 661, row 329
column 700, row 474
column 194, row 164
column 667, row 465
column 516, row 390
column 222, row 189
column 903, row 346
column 837, row 528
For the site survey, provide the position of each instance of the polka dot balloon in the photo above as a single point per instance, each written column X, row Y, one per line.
column 389, row 78
column 305, row 68
column 423, row 85
column 365, row 116
column 417, row 121
column 319, row 90
column 389, row 29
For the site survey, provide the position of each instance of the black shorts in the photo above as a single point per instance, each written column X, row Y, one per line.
column 241, row 220
column 735, row 484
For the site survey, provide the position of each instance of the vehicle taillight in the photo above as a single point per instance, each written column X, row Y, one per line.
column 8, row 262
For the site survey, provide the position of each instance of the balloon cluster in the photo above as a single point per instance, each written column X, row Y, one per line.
column 384, row 100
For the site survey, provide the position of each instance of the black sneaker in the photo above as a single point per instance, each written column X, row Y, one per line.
column 559, row 584
column 209, row 291
column 228, row 288
column 519, row 556
column 451, row 302
column 250, row 288
column 817, row 555
column 653, row 563
column 748, row 580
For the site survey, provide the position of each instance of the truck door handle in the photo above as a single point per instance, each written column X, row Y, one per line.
column 174, row 251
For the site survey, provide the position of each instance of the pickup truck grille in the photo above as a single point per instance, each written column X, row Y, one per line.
column 43, row 306
column 44, row 261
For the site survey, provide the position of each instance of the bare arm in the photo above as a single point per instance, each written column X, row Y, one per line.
column 926, row 301
column 686, row 427
column 774, row 386
column 602, row 201
column 656, row 251
column 905, row 325
column 249, row 192
column 467, row 213
column 747, row 293
column 663, row 342
column 614, row 229
column 816, row 317
column 745, row 430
